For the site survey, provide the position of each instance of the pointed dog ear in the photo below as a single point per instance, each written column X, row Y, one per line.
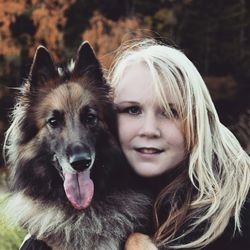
column 87, row 63
column 42, row 69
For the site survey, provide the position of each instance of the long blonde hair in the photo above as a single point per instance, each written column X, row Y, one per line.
column 217, row 179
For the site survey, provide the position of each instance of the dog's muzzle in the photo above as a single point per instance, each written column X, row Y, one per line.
column 80, row 157
column 75, row 168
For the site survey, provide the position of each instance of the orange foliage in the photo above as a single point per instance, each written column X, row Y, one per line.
column 106, row 35
column 47, row 16
column 8, row 12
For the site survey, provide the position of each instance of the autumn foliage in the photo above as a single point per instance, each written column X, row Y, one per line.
column 106, row 35
column 48, row 18
column 8, row 13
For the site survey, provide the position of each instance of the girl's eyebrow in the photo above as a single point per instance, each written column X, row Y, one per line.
column 126, row 102
column 117, row 104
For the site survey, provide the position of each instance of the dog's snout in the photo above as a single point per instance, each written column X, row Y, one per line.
column 79, row 157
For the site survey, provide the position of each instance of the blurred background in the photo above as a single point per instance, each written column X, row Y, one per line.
column 214, row 34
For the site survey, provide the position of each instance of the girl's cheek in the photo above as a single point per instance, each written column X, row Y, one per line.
column 126, row 127
column 123, row 126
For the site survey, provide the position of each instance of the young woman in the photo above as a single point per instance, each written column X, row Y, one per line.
column 168, row 125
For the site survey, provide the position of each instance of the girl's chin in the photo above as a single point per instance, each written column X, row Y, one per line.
column 148, row 170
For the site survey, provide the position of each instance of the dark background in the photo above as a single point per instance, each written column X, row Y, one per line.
column 214, row 34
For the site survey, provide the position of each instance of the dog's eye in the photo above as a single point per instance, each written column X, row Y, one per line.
column 91, row 119
column 89, row 116
column 56, row 119
column 53, row 122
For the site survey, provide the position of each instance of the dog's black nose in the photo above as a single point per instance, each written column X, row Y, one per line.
column 81, row 164
column 79, row 157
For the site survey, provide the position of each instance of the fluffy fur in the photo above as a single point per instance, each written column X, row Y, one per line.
column 63, row 125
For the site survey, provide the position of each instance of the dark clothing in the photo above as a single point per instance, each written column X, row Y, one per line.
column 228, row 241
column 238, row 242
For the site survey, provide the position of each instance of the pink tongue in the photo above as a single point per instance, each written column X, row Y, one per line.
column 79, row 189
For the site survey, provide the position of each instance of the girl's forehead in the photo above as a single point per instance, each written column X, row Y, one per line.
column 134, row 78
column 138, row 84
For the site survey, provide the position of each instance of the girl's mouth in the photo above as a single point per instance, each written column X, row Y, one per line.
column 149, row 150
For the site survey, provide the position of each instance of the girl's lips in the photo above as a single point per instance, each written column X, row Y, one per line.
column 149, row 150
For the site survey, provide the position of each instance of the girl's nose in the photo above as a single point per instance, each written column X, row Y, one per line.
column 149, row 126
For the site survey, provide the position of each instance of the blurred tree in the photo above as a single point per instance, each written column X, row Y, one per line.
column 23, row 26
column 80, row 14
column 48, row 17
column 214, row 34
column 9, row 10
column 106, row 35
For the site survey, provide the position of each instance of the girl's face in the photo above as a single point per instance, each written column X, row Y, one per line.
column 152, row 143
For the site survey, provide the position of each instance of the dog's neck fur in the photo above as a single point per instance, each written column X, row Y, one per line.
column 79, row 230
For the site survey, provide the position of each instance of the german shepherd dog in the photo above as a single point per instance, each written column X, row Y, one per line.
column 68, row 179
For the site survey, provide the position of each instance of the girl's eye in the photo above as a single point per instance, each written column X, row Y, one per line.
column 134, row 110
column 173, row 111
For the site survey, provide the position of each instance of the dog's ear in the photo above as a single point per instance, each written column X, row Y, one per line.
column 87, row 63
column 42, row 69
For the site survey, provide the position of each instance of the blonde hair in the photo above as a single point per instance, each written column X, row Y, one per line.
column 217, row 179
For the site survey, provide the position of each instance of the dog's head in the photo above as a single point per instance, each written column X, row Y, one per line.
column 68, row 112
